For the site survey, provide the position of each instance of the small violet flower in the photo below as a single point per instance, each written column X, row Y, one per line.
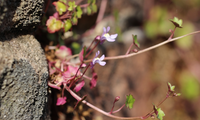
column 107, row 36
column 98, row 60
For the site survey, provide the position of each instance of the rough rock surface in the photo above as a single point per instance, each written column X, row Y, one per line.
column 20, row 15
column 23, row 80
column 23, row 65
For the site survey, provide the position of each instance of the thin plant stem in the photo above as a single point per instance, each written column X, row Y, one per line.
column 84, row 5
column 92, row 50
column 98, row 109
column 119, row 109
column 47, row 6
column 145, row 50
column 172, row 34
column 129, row 49
column 101, row 11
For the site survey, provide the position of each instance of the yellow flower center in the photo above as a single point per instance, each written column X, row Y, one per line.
column 106, row 35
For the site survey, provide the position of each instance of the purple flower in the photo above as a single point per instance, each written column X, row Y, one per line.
column 98, row 60
column 107, row 36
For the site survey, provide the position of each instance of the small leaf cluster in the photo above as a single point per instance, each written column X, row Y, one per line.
column 159, row 113
column 67, row 15
column 171, row 90
column 92, row 8
column 177, row 22
column 129, row 101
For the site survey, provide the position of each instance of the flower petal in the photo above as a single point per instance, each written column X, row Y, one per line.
column 97, row 53
column 104, row 29
column 102, row 63
column 102, row 57
column 108, row 29
column 109, row 39
column 114, row 36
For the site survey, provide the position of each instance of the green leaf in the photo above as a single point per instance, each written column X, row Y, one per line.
column 170, row 87
column 89, row 1
column 60, row 7
column 178, row 94
column 74, row 21
column 72, row 5
column 76, row 47
column 189, row 85
column 64, row 1
column 79, row 12
column 186, row 42
column 93, row 1
column 129, row 101
column 160, row 114
column 89, row 11
column 135, row 41
column 177, row 22
column 94, row 8
column 53, row 24
column 67, row 25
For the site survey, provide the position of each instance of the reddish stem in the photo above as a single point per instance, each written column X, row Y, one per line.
column 84, row 5
column 47, row 6
column 119, row 109
column 92, row 49
column 101, row 11
column 129, row 49
column 145, row 50
column 171, row 36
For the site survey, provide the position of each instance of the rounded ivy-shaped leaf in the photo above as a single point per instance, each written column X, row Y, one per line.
column 74, row 21
column 60, row 7
column 94, row 8
column 89, row 11
column 53, row 24
column 64, row 1
column 177, row 22
column 72, row 5
column 129, row 101
column 67, row 25
column 79, row 12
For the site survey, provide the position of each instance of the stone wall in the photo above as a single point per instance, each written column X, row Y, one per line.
column 23, row 66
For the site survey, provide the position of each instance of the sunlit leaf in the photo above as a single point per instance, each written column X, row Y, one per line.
column 79, row 12
column 67, row 25
column 53, row 24
column 190, row 87
column 129, row 101
column 160, row 114
column 64, row 1
column 135, row 41
column 177, row 22
column 170, row 87
column 186, row 42
column 93, row 1
column 89, row 1
column 94, row 8
column 76, row 47
column 74, row 21
column 72, row 5
column 60, row 7
column 89, row 11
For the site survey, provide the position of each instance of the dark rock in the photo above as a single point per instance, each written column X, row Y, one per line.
column 20, row 15
column 23, row 80
column 23, row 66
